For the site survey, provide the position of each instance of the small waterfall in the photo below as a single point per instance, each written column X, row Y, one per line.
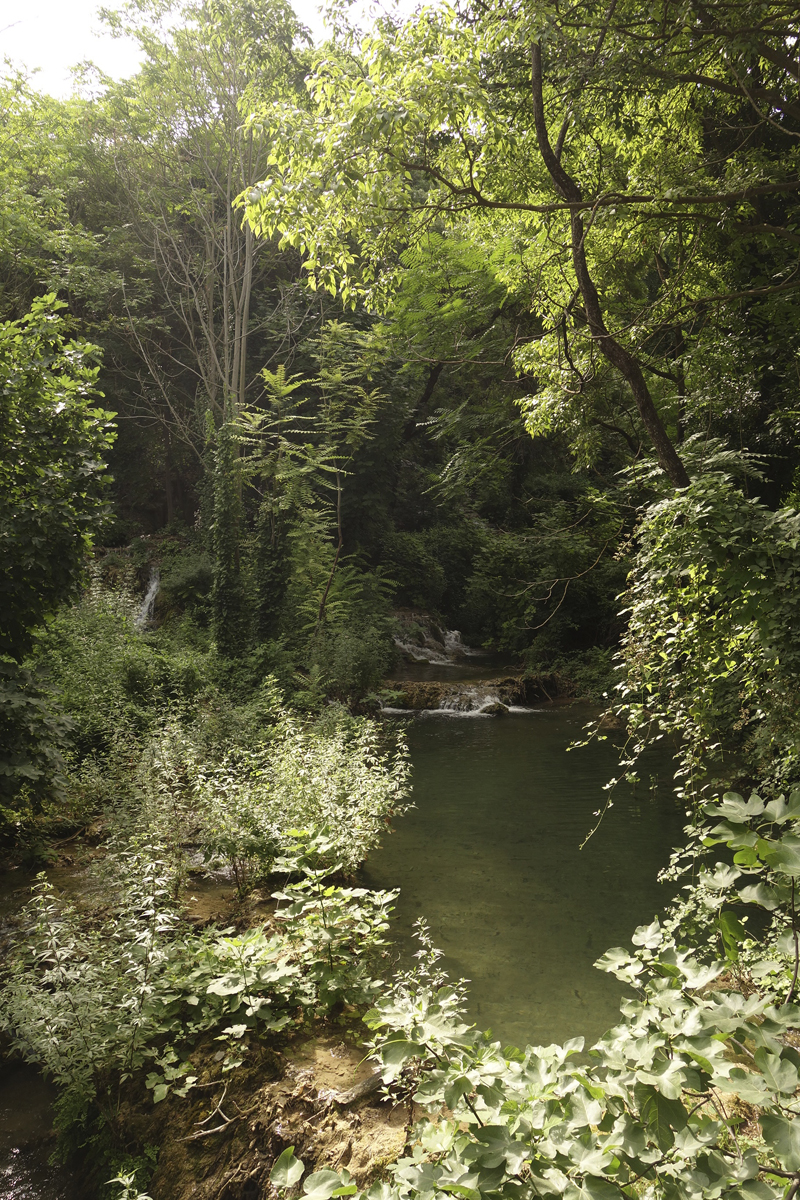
column 145, row 613
column 443, row 647
column 456, row 648
column 491, row 699
column 472, row 701
column 428, row 653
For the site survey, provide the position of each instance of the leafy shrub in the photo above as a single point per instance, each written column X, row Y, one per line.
column 712, row 650
column 186, row 584
column 98, row 992
column 110, row 679
column 90, row 1001
column 339, row 773
column 352, row 660
column 422, row 578
column 33, row 738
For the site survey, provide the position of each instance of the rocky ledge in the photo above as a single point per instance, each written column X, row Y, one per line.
column 489, row 696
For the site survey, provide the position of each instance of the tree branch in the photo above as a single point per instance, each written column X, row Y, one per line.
column 616, row 354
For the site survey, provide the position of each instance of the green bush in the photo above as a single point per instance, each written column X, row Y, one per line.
column 34, row 735
column 422, row 580
column 112, row 680
column 340, row 773
column 352, row 660
column 186, row 584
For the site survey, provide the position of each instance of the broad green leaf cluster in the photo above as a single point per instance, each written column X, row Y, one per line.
column 711, row 655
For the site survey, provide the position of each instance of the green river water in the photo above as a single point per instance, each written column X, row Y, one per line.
column 491, row 857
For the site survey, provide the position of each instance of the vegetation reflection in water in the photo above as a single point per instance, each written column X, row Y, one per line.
column 491, row 857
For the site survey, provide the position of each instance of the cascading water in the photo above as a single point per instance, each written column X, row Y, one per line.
column 462, row 698
column 422, row 641
column 145, row 613
column 439, row 674
column 456, row 648
column 471, row 701
column 423, row 654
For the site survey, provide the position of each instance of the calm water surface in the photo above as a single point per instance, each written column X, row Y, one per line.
column 491, row 857
column 26, row 1100
column 26, row 1139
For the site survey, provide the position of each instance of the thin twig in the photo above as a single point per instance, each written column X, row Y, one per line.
column 790, row 993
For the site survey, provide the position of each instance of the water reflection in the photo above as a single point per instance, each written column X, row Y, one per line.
column 26, row 1139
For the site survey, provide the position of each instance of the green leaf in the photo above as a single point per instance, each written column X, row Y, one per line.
column 596, row 1188
column 746, row 858
column 733, row 933
column 760, row 894
column 781, row 810
column 501, row 1148
column 620, row 963
column 782, row 1136
column 380, row 1191
column 783, row 856
column 458, row 1189
column 746, row 1084
column 660, row 1114
column 735, row 808
column 780, row 1074
column 597, row 1093
column 648, row 936
column 324, row 1184
column 398, row 1051
column 722, row 878
column 227, row 985
column 287, row 1170
column 455, row 1089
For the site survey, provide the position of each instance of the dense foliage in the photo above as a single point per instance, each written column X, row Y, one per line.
column 186, row 781
column 53, row 439
column 472, row 317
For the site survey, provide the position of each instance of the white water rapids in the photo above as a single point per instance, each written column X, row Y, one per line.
column 145, row 613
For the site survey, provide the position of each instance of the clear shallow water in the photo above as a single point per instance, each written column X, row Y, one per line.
column 490, row 856
column 26, row 1139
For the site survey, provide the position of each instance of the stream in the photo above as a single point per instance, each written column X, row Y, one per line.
column 490, row 855
column 26, row 1100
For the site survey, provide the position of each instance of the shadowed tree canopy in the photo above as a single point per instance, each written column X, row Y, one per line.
column 630, row 178
column 53, row 493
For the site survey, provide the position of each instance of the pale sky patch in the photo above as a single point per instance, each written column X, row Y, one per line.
column 55, row 35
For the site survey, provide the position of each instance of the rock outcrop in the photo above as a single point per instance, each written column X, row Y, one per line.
column 489, row 696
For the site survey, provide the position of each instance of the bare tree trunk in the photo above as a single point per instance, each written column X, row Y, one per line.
column 615, row 353
column 247, row 284
column 168, row 476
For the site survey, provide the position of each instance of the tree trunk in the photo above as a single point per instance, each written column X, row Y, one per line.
column 616, row 354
